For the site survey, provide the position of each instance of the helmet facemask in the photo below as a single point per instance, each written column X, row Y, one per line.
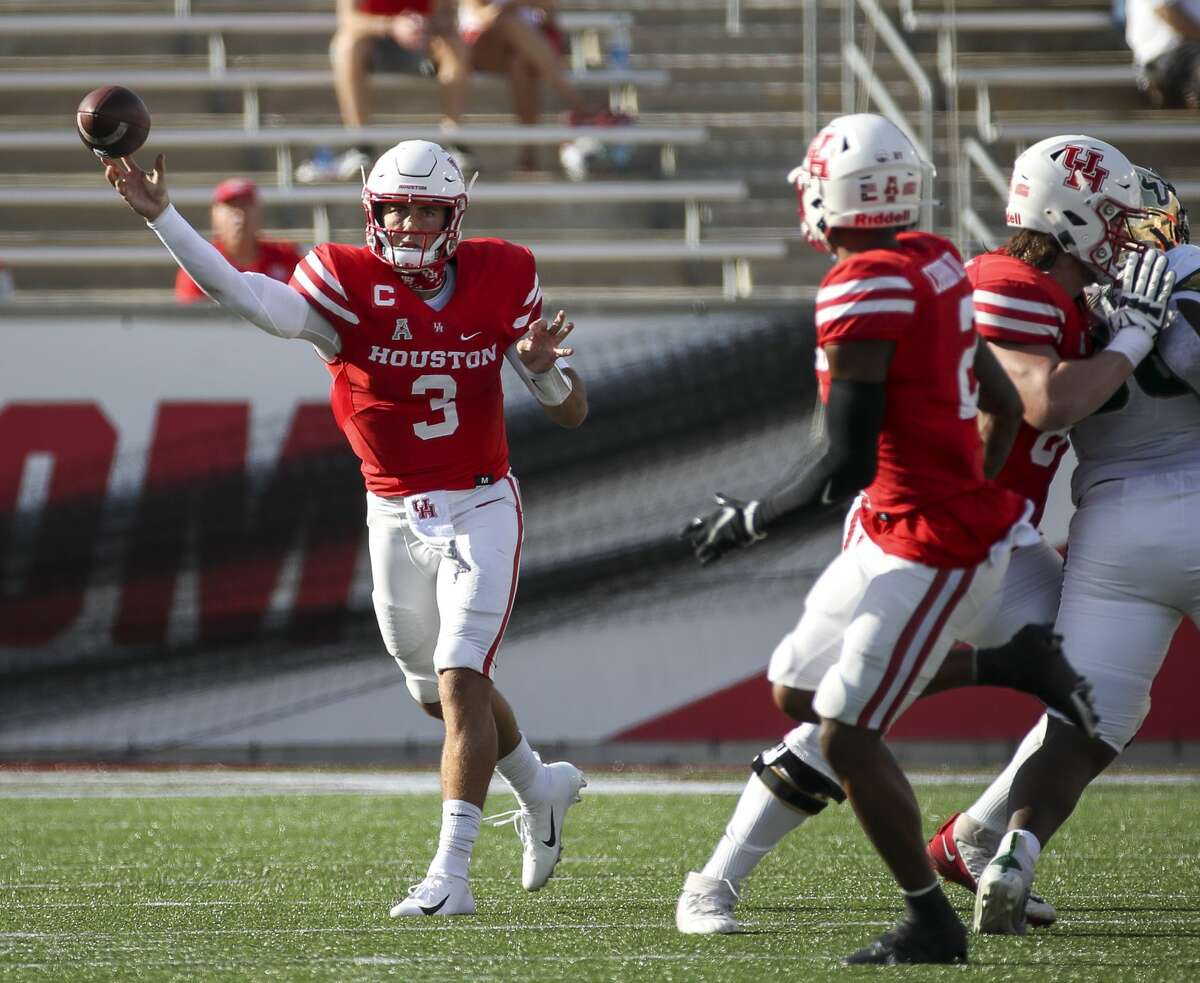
column 1118, row 238
column 408, row 251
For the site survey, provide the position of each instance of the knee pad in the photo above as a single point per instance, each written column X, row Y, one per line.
column 795, row 783
column 420, row 688
column 404, row 630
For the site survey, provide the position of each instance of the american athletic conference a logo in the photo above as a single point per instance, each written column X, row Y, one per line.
column 1083, row 168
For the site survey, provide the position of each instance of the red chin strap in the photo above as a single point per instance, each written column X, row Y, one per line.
column 426, row 278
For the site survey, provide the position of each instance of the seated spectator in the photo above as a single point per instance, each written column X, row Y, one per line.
column 1164, row 36
column 237, row 222
column 419, row 36
column 522, row 42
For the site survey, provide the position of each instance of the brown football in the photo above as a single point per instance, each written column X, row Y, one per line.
column 112, row 121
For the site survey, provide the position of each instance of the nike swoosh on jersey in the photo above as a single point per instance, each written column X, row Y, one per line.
column 468, row 337
column 553, row 839
column 434, row 909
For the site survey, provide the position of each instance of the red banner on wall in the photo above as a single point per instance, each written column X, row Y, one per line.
column 745, row 712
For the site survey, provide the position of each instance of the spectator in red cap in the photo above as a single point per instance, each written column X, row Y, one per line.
column 237, row 222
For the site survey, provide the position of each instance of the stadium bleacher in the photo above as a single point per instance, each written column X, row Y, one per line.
column 233, row 91
column 1015, row 75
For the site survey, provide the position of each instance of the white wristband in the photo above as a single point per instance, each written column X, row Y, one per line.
column 1134, row 343
column 551, row 387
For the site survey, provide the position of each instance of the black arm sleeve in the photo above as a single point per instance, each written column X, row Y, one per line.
column 853, row 420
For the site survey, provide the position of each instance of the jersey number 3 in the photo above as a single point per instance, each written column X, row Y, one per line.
column 447, row 389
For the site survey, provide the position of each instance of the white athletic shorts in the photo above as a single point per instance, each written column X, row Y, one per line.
column 1028, row 595
column 876, row 628
column 445, row 568
column 1132, row 574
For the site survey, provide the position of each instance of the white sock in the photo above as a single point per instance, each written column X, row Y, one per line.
column 759, row 821
column 523, row 770
column 460, row 829
column 990, row 810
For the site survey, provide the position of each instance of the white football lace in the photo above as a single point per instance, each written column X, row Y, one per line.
column 519, row 819
column 412, row 889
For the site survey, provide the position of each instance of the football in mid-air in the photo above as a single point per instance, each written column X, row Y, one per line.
column 112, row 121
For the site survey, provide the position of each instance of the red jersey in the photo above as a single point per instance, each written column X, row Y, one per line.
column 1019, row 304
column 417, row 391
column 275, row 259
column 929, row 501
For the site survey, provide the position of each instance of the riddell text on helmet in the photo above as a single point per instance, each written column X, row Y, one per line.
column 881, row 218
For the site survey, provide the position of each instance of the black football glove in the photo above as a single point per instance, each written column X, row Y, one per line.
column 715, row 533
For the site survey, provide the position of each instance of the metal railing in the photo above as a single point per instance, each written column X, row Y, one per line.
column 968, row 223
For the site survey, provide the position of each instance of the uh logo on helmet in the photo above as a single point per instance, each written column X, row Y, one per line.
column 415, row 172
column 1083, row 192
column 860, row 172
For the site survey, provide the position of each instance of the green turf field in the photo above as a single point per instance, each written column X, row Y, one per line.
column 297, row 888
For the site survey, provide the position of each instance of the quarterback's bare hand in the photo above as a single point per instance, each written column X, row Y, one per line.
column 145, row 193
column 543, row 344
column 729, row 525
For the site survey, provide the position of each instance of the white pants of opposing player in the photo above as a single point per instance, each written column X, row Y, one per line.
column 444, row 601
column 1132, row 574
column 876, row 628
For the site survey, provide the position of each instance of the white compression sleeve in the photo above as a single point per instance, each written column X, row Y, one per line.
column 266, row 303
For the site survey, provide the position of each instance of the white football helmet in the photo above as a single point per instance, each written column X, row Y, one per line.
column 414, row 172
column 1082, row 191
column 861, row 172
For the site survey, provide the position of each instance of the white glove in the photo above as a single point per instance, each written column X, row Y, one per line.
column 1143, row 291
column 1140, row 310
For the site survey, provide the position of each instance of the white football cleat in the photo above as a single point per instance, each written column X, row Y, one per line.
column 438, row 894
column 960, row 851
column 1003, row 890
column 540, row 825
column 705, row 906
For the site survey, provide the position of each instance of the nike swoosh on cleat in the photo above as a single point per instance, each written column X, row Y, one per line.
column 950, row 854
column 553, row 839
column 434, row 909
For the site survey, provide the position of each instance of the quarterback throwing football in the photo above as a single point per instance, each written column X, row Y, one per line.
column 412, row 327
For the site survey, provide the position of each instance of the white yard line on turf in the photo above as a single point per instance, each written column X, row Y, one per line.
column 123, row 783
